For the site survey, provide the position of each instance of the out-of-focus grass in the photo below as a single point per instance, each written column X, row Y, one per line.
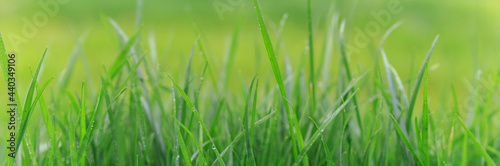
column 206, row 126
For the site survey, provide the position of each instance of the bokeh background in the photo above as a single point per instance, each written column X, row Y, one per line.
column 468, row 46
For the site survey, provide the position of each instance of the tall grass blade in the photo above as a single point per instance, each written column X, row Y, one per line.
column 294, row 131
column 311, row 59
column 416, row 86
column 29, row 103
column 425, row 123
column 476, row 143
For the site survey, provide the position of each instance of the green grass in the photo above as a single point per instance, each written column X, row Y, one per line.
column 200, row 109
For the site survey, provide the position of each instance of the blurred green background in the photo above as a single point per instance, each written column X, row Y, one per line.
column 468, row 44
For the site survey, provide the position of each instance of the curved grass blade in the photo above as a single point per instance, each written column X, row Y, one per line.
column 478, row 145
column 413, row 97
column 325, row 146
column 121, row 59
column 29, row 104
column 345, row 63
column 405, row 140
column 82, row 149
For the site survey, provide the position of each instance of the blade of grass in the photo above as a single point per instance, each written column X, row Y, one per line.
column 246, row 124
column 345, row 63
column 120, row 60
column 29, row 104
column 425, row 123
column 83, row 129
column 311, row 59
column 294, row 131
column 476, row 143
column 405, row 140
column 416, row 86
column 325, row 146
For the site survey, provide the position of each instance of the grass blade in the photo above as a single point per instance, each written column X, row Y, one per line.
column 476, row 143
column 294, row 131
column 405, row 140
column 29, row 105
column 83, row 126
column 311, row 59
column 425, row 124
column 246, row 124
column 416, row 86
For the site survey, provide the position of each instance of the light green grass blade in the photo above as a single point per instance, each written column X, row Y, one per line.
column 325, row 146
column 345, row 63
column 416, row 86
column 5, row 69
column 83, row 126
column 47, row 118
column 294, row 131
column 200, row 148
column 476, row 143
column 29, row 104
column 311, row 59
column 246, row 124
column 121, row 59
column 254, row 109
column 29, row 147
column 68, row 71
column 392, row 87
column 425, row 124
column 86, row 138
column 405, row 140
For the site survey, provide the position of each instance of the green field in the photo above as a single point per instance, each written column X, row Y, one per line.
column 249, row 82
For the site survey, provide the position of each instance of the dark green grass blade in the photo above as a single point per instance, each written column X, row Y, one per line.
column 416, row 86
column 195, row 112
column 405, row 140
column 476, row 143
column 294, row 132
